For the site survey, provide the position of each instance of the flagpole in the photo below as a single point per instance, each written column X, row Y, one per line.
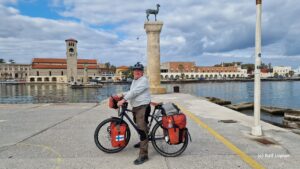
column 256, row 129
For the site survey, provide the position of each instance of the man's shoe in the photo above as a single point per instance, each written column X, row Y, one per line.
column 137, row 145
column 141, row 160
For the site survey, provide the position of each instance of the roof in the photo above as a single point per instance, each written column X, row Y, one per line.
column 181, row 62
column 123, row 67
column 71, row 39
column 48, row 60
column 58, row 60
column 89, row 61
column 264, row 70
column 58, row 63
column 44, row 66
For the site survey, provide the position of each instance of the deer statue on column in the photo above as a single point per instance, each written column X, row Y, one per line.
column 152, row 11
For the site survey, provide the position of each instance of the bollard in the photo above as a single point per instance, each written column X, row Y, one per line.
column 176, row 89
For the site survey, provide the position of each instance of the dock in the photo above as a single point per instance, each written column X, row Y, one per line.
column 60, row 136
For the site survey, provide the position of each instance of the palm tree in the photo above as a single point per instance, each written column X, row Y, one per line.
column 113, row 68
column 291, row 73
column 107, row 65
column 128, row 74
column 180, row 68
column 2, row 60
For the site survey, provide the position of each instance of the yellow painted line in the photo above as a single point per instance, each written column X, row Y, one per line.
column 249, row 160
column 59, row 158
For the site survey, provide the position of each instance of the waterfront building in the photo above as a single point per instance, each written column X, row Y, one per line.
column 63, row 70
column 14, row 71
column 106, row 73
column 121, row 72
column 55, row 70
column 265, row 73
column 281, row 71
column 189, row 70
column 297, row 72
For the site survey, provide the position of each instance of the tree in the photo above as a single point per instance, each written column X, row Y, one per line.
column 228, row 64
column 276, row 74
column 249, row 67
column 11, row 61
column 113, row 68
column 291, row 73
column 181, row 68
column 286, row 75
column 107, row 65
column 270, row 67
column 129, row 73
column 2, row 60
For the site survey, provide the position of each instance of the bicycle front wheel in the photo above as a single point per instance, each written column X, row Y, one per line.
column 102, row 136
column 162, row 146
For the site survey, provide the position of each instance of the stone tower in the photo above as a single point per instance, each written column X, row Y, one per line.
column 71, row 47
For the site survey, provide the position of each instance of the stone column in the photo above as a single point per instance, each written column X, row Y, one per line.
column 153, row 30
column 85, row 74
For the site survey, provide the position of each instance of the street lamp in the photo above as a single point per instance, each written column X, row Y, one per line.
column 257, row 130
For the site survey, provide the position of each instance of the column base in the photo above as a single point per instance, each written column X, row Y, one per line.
column 256, row 131
column 158, row 90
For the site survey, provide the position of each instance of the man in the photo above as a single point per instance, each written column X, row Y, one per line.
column 139, row 97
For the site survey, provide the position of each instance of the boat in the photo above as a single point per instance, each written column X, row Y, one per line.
column 89, row 85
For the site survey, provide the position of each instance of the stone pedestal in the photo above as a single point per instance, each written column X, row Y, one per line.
column 153, row 30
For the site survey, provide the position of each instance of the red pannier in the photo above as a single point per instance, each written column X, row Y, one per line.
column 176, row 127
column 176, row 135
column 176, row 120
column 118, row 134
column 113, row 101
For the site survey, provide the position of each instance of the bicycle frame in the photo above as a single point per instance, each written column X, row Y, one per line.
column 122, row 112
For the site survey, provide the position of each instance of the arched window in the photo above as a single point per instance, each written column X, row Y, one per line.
column 46, row 79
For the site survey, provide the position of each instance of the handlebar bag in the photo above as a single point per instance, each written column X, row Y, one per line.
column 113, row 101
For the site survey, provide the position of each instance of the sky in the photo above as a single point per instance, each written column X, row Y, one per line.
column 206, row 32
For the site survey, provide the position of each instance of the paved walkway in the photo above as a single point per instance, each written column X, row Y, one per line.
column 61, row 136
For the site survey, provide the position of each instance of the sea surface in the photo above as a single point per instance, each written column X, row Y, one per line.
column 285, row 94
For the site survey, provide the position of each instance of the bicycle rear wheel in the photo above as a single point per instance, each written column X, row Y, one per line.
column 162, row 146
column 102, row 136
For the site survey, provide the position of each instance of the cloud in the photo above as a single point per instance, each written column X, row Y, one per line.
column 24, row 37
column 194, row 30
column 8, row 1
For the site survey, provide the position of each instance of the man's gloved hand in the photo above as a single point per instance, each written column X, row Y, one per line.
column 121, row 102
